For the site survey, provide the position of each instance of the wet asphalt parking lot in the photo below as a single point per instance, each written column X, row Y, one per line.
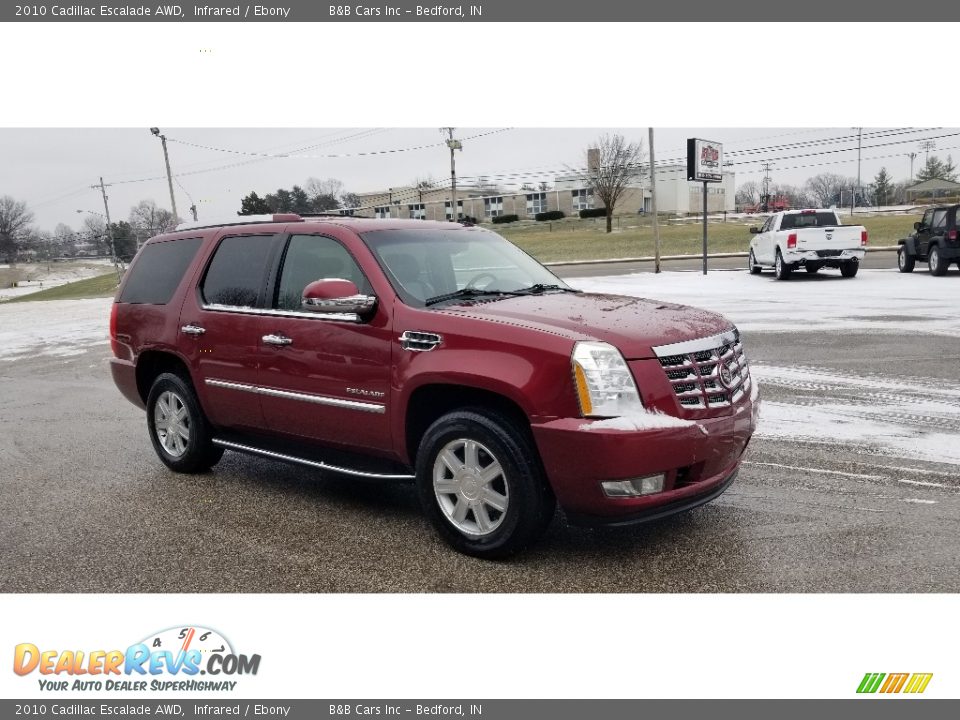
column 87, row 507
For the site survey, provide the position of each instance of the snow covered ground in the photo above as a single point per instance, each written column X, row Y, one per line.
column 874, row 301
column 57, row 328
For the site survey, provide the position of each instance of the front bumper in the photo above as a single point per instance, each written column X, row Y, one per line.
column 699, row 462
column 810, row 256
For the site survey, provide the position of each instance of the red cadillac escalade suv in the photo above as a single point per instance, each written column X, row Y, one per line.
column 437, row 353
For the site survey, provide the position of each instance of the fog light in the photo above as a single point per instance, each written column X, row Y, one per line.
column 635, row 487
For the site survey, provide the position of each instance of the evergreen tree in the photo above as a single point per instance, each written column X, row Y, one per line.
column 253, row 204
column 882, row 187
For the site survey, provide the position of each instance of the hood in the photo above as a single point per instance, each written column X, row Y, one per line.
column 634, row 325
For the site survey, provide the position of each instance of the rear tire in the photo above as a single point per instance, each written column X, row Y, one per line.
column 780, row 268
column 938, row 266
column 481, row 485
column 849, row 268
column 752, row 265
column 179, row 431
column 905, row 261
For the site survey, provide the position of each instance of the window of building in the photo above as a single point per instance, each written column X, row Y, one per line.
column 418, row 211
column 382, row 212
column 447, row 212
column 582, row 199
column 536, row 203
column 493, row 206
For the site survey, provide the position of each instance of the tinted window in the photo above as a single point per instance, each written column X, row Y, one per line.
column 236, row 273
column 314, row 257
column 804, row 220
column 939, row 219
column 158, row 270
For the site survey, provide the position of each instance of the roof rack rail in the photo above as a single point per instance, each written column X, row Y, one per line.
column 240, row 220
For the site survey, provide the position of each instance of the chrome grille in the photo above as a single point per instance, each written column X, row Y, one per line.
column 694, row 369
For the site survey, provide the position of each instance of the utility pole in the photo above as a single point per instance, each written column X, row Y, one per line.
column 106, row 210
column 653, row 209
column 166, row 160
column 453, row 145
column 858, row 190
column 765, row 190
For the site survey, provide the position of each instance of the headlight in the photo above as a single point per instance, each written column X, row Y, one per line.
column 603, row 381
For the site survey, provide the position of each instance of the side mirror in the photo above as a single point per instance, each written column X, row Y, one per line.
column 754, row 231
column 333, row 295
column 917, row 225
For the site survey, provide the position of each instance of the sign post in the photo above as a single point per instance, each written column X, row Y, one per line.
column 704, row 164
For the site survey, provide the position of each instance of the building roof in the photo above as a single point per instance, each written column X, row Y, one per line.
column 934, row 184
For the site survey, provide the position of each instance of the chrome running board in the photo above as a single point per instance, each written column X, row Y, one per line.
column 318, row 464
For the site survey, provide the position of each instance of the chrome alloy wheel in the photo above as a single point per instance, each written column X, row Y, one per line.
column 470, row 487
column 172, row 423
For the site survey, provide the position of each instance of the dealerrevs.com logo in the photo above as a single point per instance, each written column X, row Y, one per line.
column 172, row 659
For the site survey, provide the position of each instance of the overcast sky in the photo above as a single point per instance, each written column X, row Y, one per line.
column 53, row 169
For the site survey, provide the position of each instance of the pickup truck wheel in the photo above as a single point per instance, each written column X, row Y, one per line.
column 849, row 268
column 481, row 485
column 752, row 265
column 905, row 261
column 780, row 268
column 936, row 262
column 178, row 428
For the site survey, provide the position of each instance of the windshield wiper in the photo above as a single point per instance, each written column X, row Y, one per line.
column 540, row 288
column 468, row 292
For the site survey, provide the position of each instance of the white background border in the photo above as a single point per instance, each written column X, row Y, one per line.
column 594, row 75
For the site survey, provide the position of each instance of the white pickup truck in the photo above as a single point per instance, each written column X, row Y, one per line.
column 811, row 239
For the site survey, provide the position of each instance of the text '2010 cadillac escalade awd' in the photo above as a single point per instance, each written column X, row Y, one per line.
column 437, row 353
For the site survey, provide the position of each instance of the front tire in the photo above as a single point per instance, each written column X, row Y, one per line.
column 752, row 264
column 780, row 268
column 480, row 483
column 938, row 266
column 905, row 261
column 179, row 431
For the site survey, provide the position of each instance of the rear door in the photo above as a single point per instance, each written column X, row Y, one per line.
column 220, row 328
column 324, row 377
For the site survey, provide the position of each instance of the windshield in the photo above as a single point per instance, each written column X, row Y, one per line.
column 455, row 265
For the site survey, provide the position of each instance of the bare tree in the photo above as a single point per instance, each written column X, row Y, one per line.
column 748, row 193
column 612, row 164
column 15, row 221
column 151, row 220
column 329, row 186
column 825, row 188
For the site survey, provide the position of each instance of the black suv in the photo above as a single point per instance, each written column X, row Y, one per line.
column 935, row 241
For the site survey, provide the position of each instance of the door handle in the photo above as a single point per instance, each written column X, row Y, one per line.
column 191, row 329
column 280, row 340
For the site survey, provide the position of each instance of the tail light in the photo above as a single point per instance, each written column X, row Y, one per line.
column 952, row 235
column 791, row 240
column 863, row 238
column 114, row 344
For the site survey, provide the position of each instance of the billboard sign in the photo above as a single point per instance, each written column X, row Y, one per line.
column 704, row 160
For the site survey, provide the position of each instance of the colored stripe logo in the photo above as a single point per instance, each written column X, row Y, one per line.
column 913, row 683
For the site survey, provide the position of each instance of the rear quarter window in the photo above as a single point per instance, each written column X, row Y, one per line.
column 158, row 271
